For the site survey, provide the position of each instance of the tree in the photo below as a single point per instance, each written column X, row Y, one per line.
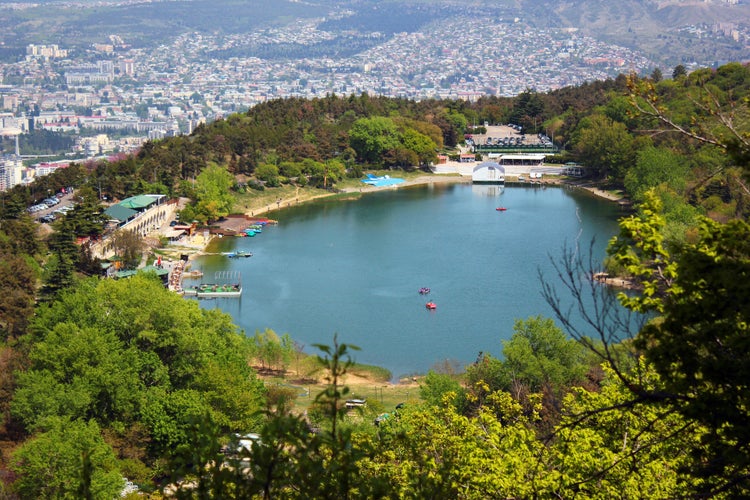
column 60, row 267
column 421, row 145
column 286, row 459
column 290, row 461
column 78, row 373
column 128, row 246
column 438, row 389
column 604, row 146
column 290, row 170
column 527, row 110
column 129, row 352
column 694, row 338
column 639, row 249
column 654, row 167
column 608, row 445
column 18, row 283
column 457, row 127
column 714, row 119
column 268, row 173
column 213, row 196
column 539, row 354
column 200, row 468
column 20, row 236
column 372, row 137
column 88, row 263
column 436, row 452
column 87, row 217
column 68, row 459
column 679, row 72
column 274, row 352
column 699, row 349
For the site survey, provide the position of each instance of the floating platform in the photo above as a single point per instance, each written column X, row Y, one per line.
column 206, row 290
column 227, row 284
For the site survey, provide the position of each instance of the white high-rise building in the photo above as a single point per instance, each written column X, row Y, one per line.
column 45, row 51
column 11, row 173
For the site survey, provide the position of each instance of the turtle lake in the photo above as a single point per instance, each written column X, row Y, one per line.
column 354, row 268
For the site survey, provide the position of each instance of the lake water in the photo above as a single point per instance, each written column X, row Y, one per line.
column 355, row 268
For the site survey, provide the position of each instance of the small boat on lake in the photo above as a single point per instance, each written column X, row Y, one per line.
column 501, row 209
column 424, row 290
column 263, row 221
column 238, row 254
column 431, row 306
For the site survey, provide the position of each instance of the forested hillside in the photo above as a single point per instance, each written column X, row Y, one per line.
column 315, row 143
column 103, row 380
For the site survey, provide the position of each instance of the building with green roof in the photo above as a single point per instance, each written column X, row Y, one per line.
column 129, row 208
column 121, row 214
column 142, row 201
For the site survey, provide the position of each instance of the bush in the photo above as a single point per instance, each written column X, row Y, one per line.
column 256, row 185
column 278, row 395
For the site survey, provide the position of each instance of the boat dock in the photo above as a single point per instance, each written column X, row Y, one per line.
column 226, row 284
column 210, row 290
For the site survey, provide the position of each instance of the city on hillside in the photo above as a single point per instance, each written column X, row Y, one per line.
column 114, row 96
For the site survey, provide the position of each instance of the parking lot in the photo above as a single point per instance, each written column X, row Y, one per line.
column 49, row 209
column 510, row 136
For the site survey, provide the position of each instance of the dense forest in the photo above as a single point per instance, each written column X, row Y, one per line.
column 102, row 380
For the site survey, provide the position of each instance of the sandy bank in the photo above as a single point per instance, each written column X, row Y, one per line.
column 303, row 196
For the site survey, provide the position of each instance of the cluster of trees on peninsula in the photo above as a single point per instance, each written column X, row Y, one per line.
column 103, row 380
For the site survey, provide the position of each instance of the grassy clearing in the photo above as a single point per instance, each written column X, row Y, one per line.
column 259, row 202
column 304, row 379
column 377, row 374
column 380, row 397
column 385, row 397
column 307, row 368
column 265, row 200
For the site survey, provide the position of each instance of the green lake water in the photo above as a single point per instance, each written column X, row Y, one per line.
column 355, row 268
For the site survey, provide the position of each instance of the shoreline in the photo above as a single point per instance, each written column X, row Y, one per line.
column 426, row 179
column 196, row 249
column 423, row 180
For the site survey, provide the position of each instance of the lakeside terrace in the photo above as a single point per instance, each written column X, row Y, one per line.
column 519, row 170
